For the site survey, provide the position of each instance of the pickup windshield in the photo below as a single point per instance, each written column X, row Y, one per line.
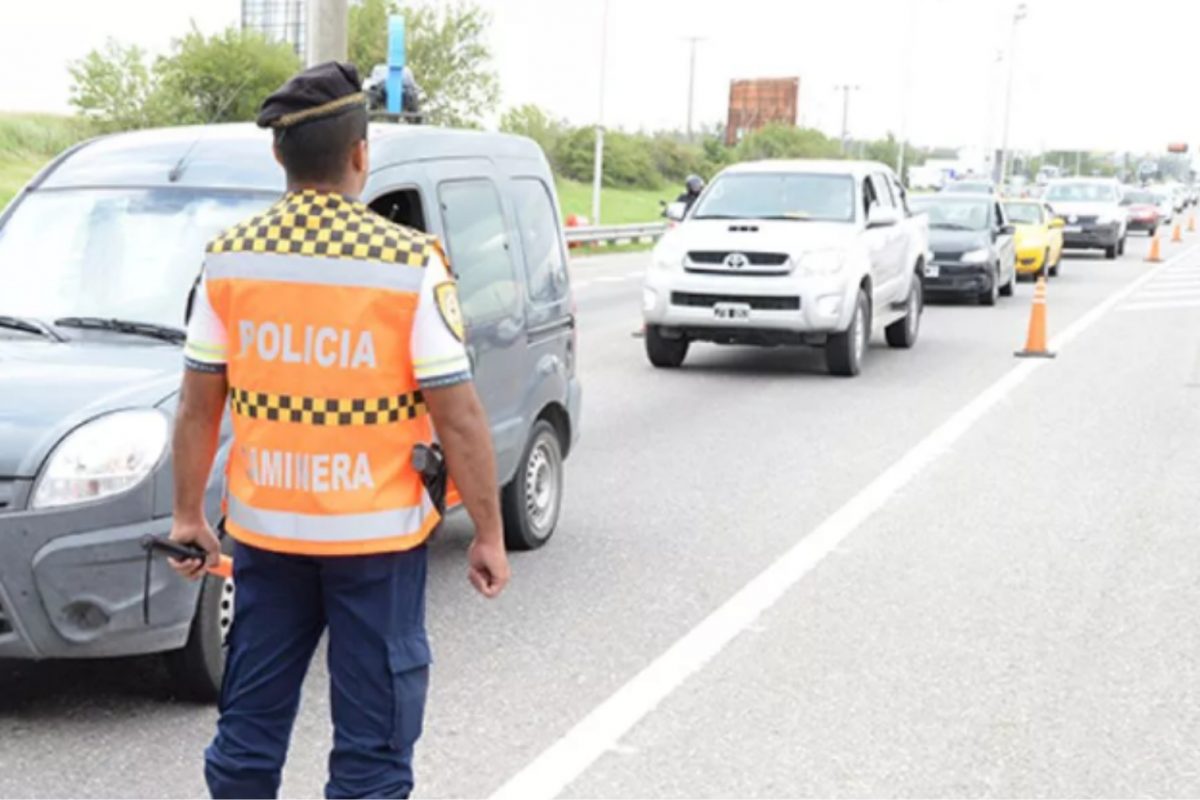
column 953, row 213
column 128, row 254
column 777, row 195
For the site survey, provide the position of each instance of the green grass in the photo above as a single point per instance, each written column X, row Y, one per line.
column 28, row 141
column 617, row 206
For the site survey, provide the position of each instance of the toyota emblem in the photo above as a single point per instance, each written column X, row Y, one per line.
column 736, row 260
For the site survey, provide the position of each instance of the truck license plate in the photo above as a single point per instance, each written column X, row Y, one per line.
column 1073, row 229
column 932, row 270
column 732, row 311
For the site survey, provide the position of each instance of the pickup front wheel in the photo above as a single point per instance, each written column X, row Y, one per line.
column 664, row 352
column 844, row 351
column 903, row 332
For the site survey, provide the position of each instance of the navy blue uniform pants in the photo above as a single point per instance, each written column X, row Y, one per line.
column 374, row 608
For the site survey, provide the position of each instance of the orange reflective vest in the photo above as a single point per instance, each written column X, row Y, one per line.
column 318, row 296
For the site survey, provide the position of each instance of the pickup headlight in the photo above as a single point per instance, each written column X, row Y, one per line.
column 975, row 256
column 107, row 456
column 822, row 262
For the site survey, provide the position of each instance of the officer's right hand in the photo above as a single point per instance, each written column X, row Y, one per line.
column 487, row 563
column 195, row 532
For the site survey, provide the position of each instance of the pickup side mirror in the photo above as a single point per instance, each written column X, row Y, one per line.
column 675, row 211
column 1057, row 222
column 882, row 217
column 1007, row 229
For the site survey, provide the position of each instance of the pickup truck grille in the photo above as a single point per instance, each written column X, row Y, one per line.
column 755, row 259
column 8, row 494
column 755, row 302
column 1074, row 219
column 946, row 257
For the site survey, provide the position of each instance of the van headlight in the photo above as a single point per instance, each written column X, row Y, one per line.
column 822, row 262
column 106, row 456
column 975, row 256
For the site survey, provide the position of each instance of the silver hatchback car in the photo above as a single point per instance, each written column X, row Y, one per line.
column 97, row 256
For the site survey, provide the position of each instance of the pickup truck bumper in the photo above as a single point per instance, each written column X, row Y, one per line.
column 779, row 304
column 72, row 581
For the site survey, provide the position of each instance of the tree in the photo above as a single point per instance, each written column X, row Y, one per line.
column 779, row 140
column 113, row 87
column 446, row 50
column 224, row 77
column 530, row 120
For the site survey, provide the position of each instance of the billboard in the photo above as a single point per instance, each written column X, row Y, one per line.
column 757, row 102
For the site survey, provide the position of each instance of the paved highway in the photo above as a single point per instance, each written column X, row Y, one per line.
column 958, row 574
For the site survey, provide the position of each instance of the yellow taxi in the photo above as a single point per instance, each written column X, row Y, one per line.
column 1039, row 238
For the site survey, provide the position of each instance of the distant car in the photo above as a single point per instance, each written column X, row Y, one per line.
column 1165, row 202
column 1092, row 210
column 970, row 186
column 1039, row 237
column 1145, row 213
column 972, row 246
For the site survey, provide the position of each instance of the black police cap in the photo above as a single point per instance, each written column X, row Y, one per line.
column 325, row 90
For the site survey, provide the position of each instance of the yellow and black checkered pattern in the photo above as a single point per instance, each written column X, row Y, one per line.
column 309, row 223
column 327, row 411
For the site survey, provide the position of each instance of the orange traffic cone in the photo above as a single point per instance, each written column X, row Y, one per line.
column 1176, row 233
column 1155, row 250
column 1035, row 343
column 1192, row 222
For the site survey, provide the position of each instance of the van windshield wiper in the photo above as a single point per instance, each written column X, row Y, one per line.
column 149, row 329
column 30, row 325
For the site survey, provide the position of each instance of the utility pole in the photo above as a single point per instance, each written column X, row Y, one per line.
column 911, row 42
column 1019, row 14
column 598, row 162
column 325, row 34
column 846, row 89
column 692, row 41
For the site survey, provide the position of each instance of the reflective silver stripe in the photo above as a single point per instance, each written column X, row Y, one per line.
column 330, row 527
column 314, row 270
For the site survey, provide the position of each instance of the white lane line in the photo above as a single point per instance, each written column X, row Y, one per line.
column 565, row 760
column 1157, row 289
column 1160, row 306
column 613, row 278
column 580, row 284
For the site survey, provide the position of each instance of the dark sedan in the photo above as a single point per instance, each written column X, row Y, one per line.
column 971, row 244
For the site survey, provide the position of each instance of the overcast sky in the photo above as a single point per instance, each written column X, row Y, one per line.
column 1088, row 74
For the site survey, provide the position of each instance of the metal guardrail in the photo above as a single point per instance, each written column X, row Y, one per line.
column 614, row 234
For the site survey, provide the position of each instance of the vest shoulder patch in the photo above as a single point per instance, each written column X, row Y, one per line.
column 446, row 295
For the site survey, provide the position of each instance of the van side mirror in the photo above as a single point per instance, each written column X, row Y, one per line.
column 882, row 216
column 1008, row 229
column 1057, row 222
column 675, row 211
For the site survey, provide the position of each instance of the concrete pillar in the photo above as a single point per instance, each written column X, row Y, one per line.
column 326, row 23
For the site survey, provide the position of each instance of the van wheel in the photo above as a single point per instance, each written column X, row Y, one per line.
column 531, row 501
column 664, row 352
column 1007, row 289
column 196, row 668
column 903, row 332
column 1110, row 252
column 844, row 351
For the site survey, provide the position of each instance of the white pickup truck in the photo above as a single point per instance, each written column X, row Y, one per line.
column 790, row 253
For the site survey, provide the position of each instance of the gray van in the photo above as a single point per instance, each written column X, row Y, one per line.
column 97, row 257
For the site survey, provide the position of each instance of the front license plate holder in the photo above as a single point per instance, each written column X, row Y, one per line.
column 932, row 270
column 732, row 312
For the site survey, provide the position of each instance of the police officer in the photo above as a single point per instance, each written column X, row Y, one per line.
column 692, row 188
column 337, row 340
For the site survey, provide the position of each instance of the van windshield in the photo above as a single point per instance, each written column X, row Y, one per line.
column 772, row 195
column 115, row 253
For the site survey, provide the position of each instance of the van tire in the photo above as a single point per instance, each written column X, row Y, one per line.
column 663, row 352
column 197, row 668
column 844, row 351
column 532, row 500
